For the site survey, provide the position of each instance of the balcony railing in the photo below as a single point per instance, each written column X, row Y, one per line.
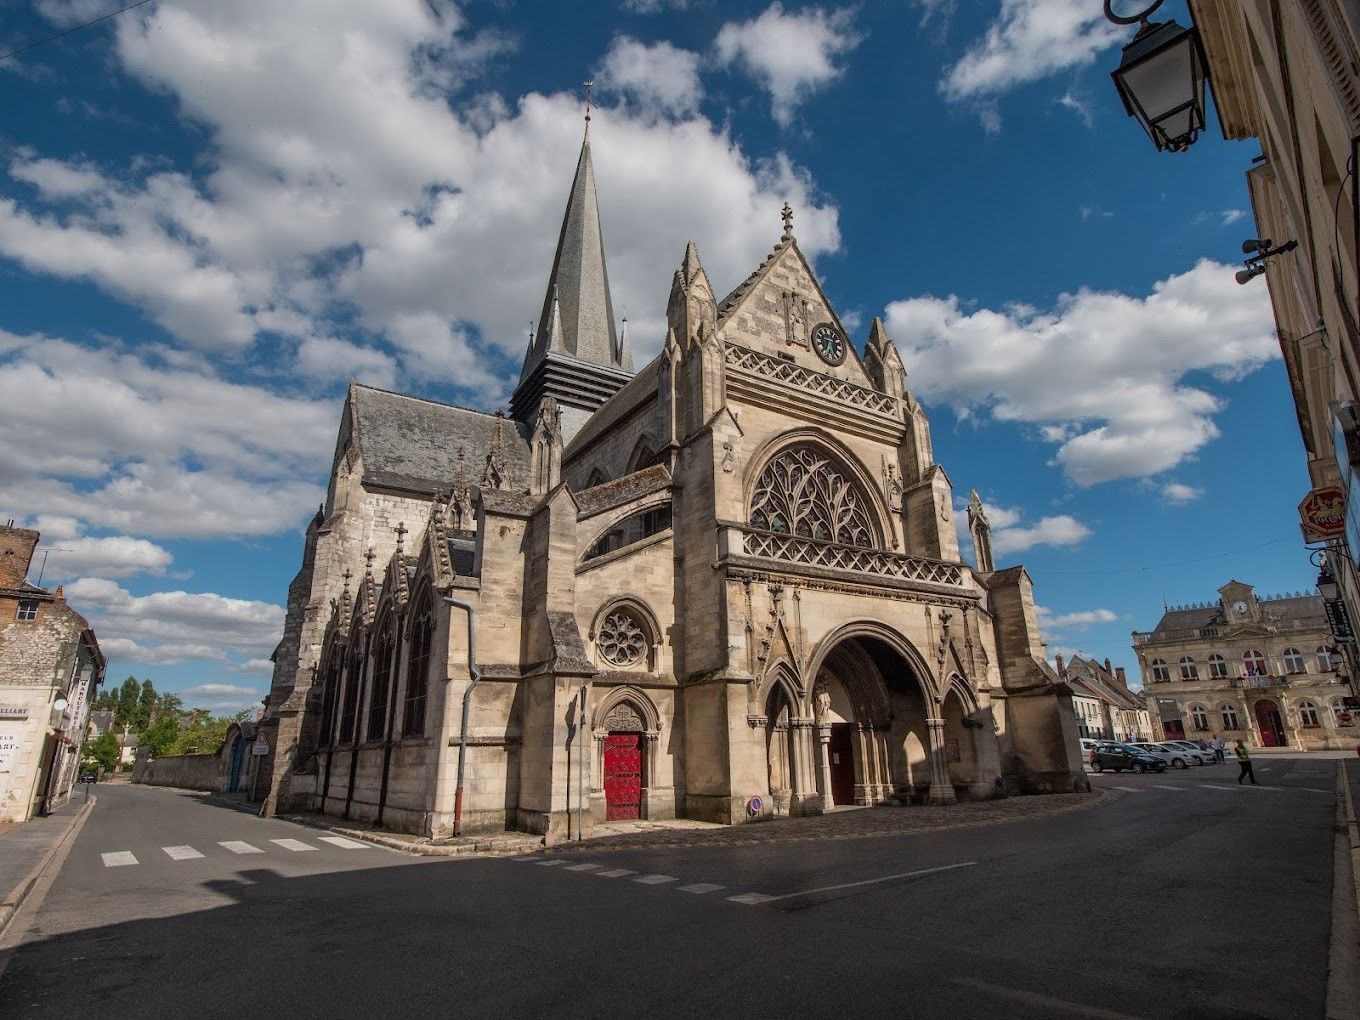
column 830, row 555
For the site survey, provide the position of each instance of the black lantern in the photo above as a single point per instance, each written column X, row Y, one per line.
column 1326, row 580
column 1161, row 79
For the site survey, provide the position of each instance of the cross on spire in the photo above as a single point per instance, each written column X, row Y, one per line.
column 347, row 575
column 368, row 558
column 787, row 214
column 589, row 84
column 401, row 534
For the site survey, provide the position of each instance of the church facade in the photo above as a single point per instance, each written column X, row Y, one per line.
column 725, row 586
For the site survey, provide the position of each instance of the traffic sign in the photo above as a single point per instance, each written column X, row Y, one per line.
column 260, row 747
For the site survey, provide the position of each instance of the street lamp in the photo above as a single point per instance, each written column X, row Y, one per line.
column 1326, row 580
column 1161, row 78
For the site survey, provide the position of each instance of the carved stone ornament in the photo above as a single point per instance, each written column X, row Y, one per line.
column 821, row 698
column 623, row 718
column 801, row 492
column 622, row 640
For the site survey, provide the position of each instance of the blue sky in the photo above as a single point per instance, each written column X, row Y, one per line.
column 212, row 215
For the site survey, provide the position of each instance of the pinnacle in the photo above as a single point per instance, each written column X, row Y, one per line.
column 691, row 265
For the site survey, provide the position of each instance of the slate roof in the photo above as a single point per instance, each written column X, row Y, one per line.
column 1302, row 607
column 411, row 443
column 1188, row 619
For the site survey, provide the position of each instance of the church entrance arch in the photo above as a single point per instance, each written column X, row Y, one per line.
column 960, row 740
column 625, row 731
column 1271, row 724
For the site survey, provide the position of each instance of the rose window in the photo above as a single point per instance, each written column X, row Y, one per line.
column 622, row 641
column 803, row 493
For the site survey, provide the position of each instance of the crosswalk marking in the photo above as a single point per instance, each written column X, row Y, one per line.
column 701, row 887
column 548, row 863
column 181, row 853
column 1129, row 789
column 1215, row 786
column 655, row 879
column 343, row 842
column 751, row 899
column 295, row 845
column 615, row 873
column 1169, row 787
column 118, row 859
column 582, row 867
column 239, row 846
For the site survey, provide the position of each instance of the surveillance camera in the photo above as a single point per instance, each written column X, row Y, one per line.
column 1252, row 244
column 1249, row 274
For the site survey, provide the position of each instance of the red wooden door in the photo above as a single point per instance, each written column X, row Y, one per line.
column 842, row 763
column 1270, row 723
column 622, row 776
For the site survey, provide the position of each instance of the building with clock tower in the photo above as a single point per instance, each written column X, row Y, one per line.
column 724, row 586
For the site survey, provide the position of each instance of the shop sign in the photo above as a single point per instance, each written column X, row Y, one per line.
column 9, row 747
column 1322, row 514
column 13, row 711
column 1337, row 619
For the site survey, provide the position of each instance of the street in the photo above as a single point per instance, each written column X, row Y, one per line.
column 1168, row 900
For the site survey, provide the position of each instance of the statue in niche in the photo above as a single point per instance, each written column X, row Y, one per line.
column 797, row 316
column 822, row 701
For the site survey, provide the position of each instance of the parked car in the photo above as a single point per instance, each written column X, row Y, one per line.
column 88, row 776
column 1197, row 754
column 1176, row 757
column 1121, row 757
column 1088, row 746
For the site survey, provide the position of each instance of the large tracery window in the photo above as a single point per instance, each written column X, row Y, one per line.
column 417, row 672
column 802, row 492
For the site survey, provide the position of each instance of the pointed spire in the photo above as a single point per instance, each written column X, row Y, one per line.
column 578, row 313
column 691, row 265
column 878, row 336
column 624, row 356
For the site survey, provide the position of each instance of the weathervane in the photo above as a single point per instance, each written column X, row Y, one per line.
column 589, row 84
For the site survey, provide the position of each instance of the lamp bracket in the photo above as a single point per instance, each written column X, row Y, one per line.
column 1130, row 19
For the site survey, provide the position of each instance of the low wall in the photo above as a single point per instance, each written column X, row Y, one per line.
column 186, row 771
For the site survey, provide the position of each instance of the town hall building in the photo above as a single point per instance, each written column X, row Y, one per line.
column 725, row 586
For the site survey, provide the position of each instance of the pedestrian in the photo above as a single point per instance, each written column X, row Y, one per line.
column 1220, row 749
column 1244, row 761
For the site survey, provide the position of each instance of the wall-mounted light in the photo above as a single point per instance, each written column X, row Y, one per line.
column 1161, row 78
column 1256, row 264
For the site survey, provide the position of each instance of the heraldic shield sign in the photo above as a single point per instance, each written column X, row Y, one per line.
column 1322, row 515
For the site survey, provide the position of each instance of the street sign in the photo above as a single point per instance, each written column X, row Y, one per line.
column 1322, row 514
column 260, row 747
column 1337, row 619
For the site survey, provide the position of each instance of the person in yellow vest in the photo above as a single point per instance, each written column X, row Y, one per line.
column 1244, row 761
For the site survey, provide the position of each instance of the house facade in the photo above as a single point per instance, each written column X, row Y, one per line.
column 1105, row 706
column 1262, row 670
column 725, row 586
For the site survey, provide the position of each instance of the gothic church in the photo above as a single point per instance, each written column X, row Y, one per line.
column 726, row 586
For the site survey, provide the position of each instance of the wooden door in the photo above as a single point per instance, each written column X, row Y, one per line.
column 842, row 754
column 1270, row 723
column 622, row 776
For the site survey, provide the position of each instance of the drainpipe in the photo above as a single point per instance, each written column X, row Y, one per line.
column 476, row 675
column 581, row 769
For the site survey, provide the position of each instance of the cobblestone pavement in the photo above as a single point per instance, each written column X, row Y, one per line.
column 887, row 820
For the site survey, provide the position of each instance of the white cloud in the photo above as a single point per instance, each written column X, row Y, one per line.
column 1079, row 103
column 790, row 54
column 1060, row 530
column 1231, row 216
column 657, row 77
column 1178, row 493
column 113, row 556
column 175, row 626
column 221, row 698
column 1103, row 375
column 254, row 667
column 1079, row 620
column 1029, row 40
column 146, row 446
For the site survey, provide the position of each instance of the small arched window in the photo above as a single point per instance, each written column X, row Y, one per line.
column 1308, row 715
column 1218, row 667
column 644, row 455
column 1253, row 663
column 1189, row 671
column 418, row 671
column 1160, row 670
column 1199, row 718
column 597, row 477
column 1229, row 716
column 1293, row 661
column 631, row 530
column 1327, row 659
column 1343, row 715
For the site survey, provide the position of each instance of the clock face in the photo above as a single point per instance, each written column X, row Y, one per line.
column 829, row 343
column 1239, row 607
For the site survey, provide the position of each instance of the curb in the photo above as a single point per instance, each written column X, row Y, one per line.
column 487, row 849
column 16, row 896
column 1343, row 960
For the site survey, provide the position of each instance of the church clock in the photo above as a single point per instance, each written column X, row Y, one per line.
column 829, row 343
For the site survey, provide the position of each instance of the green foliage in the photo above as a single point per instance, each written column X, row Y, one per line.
column 162, row 722
column 204, row 733
column 159, row 738
column 103, row 751
column 125, row 703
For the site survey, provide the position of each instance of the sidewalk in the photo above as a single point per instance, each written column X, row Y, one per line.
column 26, row 847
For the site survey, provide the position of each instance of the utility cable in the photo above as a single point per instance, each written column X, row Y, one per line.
column 70, row 31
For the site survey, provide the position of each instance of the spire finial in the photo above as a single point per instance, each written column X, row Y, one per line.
column 787, row 213
column 401, row 535
column 589, row 84
column 368, row 558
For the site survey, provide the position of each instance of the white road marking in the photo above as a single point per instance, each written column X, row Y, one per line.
column 582, row 867
column 1048, row 1003
column 295, row 845
column 181, row 853
column 239, row 846
column 118, row 859
column 343, row 842
column 550, row 863
column 701, row 887
column 616, row 873
column 1158, row 787
column 1215, row 786
column 853, row 885
column 751, row 899
column 1128, row 789
column 655, row 879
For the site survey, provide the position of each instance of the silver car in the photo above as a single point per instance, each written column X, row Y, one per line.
column 1176, row 757
column 1197, row 754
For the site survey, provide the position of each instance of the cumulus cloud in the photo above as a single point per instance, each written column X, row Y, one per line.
column 1178, row 493
column 1103, row 374
column 145, row 445
column 176, row 626
column 222, row 698
column 1028, row 40
column 790, row 54
column 1079, row 620
column 656, row 77
column 1059, row 530
column 112, row 556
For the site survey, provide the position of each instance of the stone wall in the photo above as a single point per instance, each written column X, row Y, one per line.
column 185, row 771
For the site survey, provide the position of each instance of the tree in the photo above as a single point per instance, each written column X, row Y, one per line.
column 125, row 704
column 146, row 705
column 159, row 738
column 104, row 751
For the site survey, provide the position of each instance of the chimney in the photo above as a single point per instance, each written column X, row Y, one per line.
column 1058, row 660
column 16, row 554
column 1120, row 676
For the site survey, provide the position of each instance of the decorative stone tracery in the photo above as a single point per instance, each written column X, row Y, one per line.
column 802, row 492
column 622, row 639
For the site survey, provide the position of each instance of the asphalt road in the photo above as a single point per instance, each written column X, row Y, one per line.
column 1186, row 896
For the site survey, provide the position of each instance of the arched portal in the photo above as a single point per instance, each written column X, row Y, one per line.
column 961, row 732
column 1271, row 723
